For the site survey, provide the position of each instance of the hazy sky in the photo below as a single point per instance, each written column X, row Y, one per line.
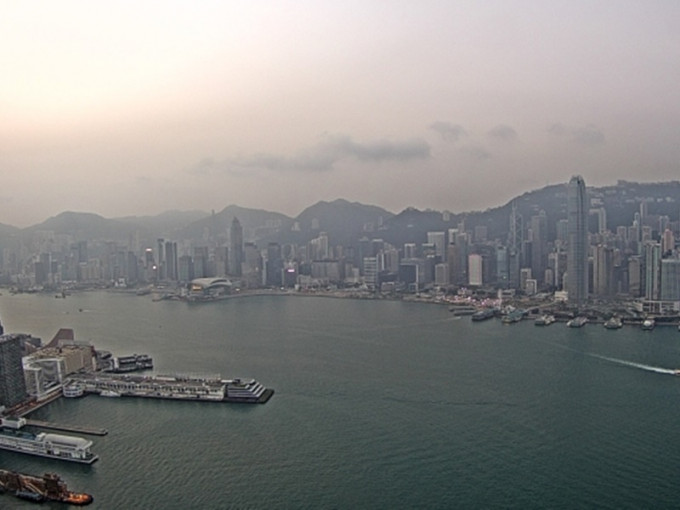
column 122, row 108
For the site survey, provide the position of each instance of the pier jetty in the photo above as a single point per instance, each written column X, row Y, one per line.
column 92, row 431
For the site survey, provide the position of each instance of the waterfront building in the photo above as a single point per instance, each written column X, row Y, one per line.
column 12, row 382
column 326, row 271
column 201, row 262
column 186, row 268
column 502, row 267
column 475, row 269
column 171, row 260
column 370, row 272
column 160, row 263
column 603, row 271
column 515, row 246
column 392, row 259
column 273, row 265
column 577, row 249
column 539, row 242
column 652, row 271
column 235, row 248
column 441, row 274
column 634, row 276
column 670, row 280
column 252, row 266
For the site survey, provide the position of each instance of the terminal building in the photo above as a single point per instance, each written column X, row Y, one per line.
column 46, row 368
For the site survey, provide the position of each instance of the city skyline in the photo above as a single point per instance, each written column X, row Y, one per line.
column 133, row 110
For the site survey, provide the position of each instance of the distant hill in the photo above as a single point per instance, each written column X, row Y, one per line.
column 412, row 225
column 343, row 221
column 166, row 224
column 346, row 222
column 257, row 224
column 82, row 226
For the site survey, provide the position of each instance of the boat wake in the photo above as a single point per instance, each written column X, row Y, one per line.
column 641, row 366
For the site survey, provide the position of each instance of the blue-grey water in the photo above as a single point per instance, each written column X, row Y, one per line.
column 378, row 404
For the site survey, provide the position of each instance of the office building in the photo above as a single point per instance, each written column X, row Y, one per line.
column 235, row 248
column 577, row 249
column 12, row 382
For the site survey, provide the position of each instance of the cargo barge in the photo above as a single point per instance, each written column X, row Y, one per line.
column 176, row 387
column 49, row 487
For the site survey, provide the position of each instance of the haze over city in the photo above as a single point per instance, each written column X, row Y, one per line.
column 133, row 108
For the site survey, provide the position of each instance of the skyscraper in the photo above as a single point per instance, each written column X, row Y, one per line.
column 577, row 238
column 12, row 383
column 235, row 248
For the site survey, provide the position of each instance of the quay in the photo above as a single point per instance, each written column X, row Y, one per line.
column 92, row 431
column 211, row 388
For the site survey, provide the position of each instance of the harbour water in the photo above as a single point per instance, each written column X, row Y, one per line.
column 378, row 404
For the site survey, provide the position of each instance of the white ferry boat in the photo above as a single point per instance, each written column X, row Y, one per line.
column 54, row 446
column 73, row 390
column 648, row 324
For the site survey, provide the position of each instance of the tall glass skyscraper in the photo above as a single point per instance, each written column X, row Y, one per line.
column 577, row 236
column 235, row 248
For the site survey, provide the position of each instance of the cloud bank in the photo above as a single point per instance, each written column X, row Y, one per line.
column 322, row 157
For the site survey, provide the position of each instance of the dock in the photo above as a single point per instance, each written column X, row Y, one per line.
column 92, row 431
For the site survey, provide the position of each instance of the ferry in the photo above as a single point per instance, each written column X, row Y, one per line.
column 133, row 363
column 514, row 316
column 648, row 324
column 544, row 320
column 482, row 315
column 53, row 446
column 613, row 323
column 73, row 390
column 577, row 322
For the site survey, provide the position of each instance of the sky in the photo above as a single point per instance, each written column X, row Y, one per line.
column 138, row 107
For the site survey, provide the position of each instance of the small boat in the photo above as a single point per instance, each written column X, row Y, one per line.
column 544, row 320
column 109, row 393
column 648, row 324
column 613, row 323
column 577, row 322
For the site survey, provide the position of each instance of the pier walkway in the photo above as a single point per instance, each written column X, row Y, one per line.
column 93, row 431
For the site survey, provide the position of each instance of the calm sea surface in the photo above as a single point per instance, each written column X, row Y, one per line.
column 377, row 405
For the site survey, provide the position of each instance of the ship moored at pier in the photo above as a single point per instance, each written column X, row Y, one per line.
column 53, row 446
column 177, row 387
